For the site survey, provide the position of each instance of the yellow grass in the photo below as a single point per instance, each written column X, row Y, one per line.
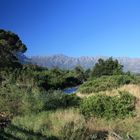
column 127, row 126
column 61, row 117
column 133, row 89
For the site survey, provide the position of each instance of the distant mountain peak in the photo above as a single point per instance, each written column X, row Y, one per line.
column 66, row 62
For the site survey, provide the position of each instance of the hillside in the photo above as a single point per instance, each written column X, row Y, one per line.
column 33, row 100
column 65, row 62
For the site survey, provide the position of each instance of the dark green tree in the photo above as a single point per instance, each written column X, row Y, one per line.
column 87, row 73
column 10, row 46
column 107, row 67
column 80, row 73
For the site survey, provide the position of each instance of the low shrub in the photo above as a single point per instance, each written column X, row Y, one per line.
column 108, row 107
column 17, row 101
column 72, row 100
column 57, row 99
column 106, row 83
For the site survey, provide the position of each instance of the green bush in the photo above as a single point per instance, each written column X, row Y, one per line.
column 33, row 101
column 17, row 101
column 107, row 67
column 54, row 100
column 106, row 83
column 56, row 78
column 57, row 99
column 72, row 100
column 108, row 107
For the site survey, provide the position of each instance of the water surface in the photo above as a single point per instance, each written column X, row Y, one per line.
column 70, row 90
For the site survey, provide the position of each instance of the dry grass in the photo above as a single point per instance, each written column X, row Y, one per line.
column 107, row 92
column 51, row 123
column 111, row 138
column 61, row 117
column 64, row 116
column 134, row 89
column 123, row 127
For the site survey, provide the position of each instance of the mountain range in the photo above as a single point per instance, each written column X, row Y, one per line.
column 66, row 62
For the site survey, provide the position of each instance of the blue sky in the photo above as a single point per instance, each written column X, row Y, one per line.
column 75, row 27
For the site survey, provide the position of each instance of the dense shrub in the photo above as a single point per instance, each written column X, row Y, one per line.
column 72, row 100
column 107, row 67
column 57, row 99
column 59, row 79
column 108, row 107
column 33, row 101
column 10, row 46
column 106, row 83
column 16, row 100
column 54, row 100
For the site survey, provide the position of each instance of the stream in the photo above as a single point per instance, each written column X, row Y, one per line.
column 70, row 90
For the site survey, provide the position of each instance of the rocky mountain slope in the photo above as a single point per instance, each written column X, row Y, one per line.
column 65, row 62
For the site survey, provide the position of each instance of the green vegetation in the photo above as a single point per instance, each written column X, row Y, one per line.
column 107, row 67
column 50, row 125
column 33, row 105
column 58, row 99
column 106, row 83
column 109, row 107
column 10, row 45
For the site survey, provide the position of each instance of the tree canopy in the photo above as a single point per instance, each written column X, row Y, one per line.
column 10, row 45
column 107, row 67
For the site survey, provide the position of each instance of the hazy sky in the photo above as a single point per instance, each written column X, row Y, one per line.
column 75, row 27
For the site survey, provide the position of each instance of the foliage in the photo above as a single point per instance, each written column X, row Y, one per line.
column 109, row 107
column 107, row 67
column 29, row 94
column 106, row 83
column 60, row 79
column 80, row 74
column 12, row 41
column 10, row 45
column 32, row 99
column 15, row 100
column 72, row 100
column 57, row 99
column 22, row 91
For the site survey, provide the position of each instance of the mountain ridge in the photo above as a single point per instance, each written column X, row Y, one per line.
column 67, row 62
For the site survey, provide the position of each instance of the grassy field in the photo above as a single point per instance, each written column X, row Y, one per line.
column 70, row 124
